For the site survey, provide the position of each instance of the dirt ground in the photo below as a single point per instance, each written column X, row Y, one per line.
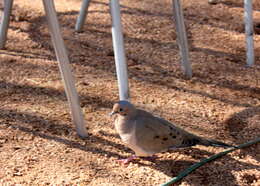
column 38, row 142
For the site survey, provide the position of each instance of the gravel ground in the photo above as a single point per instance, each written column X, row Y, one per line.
column 38, row 142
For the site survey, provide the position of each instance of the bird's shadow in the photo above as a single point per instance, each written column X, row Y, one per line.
column 237, row 122
column 207, row 174
column 211, row 172
column 237, row 125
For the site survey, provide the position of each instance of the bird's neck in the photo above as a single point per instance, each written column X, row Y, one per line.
column 124, row 124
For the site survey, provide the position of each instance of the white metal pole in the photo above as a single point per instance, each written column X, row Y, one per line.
column 249, row 32
column 5, row 19
column 118, row 44
column 82, row 15
column 182, row 37
column 64, row 67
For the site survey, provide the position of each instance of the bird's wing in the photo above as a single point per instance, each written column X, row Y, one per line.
column 155, row 134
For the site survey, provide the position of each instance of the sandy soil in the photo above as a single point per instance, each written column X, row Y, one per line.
column 38, row 142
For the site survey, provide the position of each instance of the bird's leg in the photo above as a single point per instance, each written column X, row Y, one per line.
column 150, row 158
column 127, row 160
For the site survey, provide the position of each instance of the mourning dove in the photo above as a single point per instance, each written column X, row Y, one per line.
column 147, row 134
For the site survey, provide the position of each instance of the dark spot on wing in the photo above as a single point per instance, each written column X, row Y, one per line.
column 190, row 142
column 172, row 135
column 156, row 137
column 171, row 128
column 165, row 139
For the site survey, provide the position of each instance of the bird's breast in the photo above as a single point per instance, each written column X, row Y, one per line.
column 123, row 125
column 126, row 130
column 128, row 136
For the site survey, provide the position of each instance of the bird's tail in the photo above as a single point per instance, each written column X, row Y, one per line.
column 214, row 143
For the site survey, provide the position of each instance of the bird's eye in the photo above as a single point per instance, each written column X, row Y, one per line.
column 120, row 110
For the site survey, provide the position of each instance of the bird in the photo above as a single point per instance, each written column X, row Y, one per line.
column 147, row 134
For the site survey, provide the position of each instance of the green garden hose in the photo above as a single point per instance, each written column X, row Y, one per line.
column 204, row 161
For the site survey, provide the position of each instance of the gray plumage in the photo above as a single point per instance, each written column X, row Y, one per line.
column 147, row 134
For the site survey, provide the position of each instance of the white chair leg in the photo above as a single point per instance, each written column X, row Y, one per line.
column 5, row 19
column 82, row 15
column 118, row 44
column 64, row 67
column 249, row 33
column 182, row 37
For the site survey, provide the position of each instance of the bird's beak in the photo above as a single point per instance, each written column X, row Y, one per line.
column 112, row 113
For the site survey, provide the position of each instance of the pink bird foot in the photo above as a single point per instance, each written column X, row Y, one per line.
column 127, row 160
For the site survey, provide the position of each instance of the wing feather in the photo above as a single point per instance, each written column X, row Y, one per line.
column 155, row 134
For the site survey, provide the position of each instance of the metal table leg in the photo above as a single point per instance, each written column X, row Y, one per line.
column 182, row 37
column 5, row 19
column 250, row 56
column 82, row 15
column 64, row 67
column 118, row 44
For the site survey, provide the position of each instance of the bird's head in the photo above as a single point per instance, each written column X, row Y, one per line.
column 123, row 108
